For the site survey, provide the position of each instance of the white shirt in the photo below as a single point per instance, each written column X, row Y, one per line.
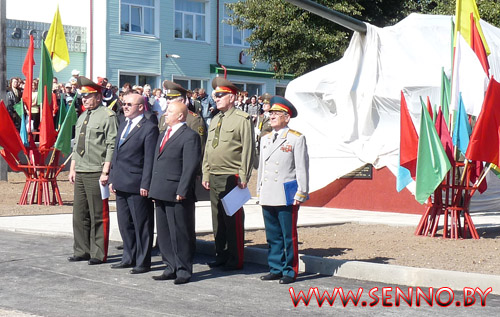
column 135, row 121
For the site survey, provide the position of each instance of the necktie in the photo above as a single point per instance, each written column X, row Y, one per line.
column 165, row 139
column 127, row 130
column 215, row 141
column 80, row 148
column 275, row 136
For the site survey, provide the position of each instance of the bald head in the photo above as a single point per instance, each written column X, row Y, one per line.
column 176, row 112
column 133, row 105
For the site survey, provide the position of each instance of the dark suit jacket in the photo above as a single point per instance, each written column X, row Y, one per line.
column 174, row 169
column 132, row 162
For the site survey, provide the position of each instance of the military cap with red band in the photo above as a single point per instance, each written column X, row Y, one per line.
column 87, row 86
column 173, row 89
column 279, row 103
column 220, row 84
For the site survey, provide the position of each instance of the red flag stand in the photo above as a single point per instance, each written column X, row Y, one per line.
column 43, row 178
column 451, row 199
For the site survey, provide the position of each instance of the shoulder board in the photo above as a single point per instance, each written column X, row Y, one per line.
column 297, row 133
column 242, row 113
column 110, row 112
column 194, row 114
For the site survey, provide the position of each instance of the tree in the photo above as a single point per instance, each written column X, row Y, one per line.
column 295, row 41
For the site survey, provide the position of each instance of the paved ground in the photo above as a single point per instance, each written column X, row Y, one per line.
column 36, row 280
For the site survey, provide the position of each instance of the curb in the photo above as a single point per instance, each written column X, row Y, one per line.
column 375, row 272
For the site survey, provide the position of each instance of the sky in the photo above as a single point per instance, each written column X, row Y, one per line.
column 72, row 12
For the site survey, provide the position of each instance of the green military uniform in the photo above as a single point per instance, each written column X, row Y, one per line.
column 229, row 157
column 89, row 227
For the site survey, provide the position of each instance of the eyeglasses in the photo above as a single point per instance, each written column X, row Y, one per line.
column 278, row 113
column 128, row 104
column 88, row 95
column 220, row 94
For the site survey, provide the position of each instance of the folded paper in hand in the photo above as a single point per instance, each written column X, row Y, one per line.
column 235, row 199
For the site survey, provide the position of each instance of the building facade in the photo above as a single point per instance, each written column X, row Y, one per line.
column 148, row 41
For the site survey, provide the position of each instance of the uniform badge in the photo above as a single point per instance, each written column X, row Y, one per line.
column 286, row 148
column 201, row 131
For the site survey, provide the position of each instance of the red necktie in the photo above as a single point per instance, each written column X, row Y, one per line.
column 165, row 139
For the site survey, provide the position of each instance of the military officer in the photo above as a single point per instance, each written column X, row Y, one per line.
column 227, row 163
column 175, row 92
column 95, row 132
column 282, row 185
column 263, row 125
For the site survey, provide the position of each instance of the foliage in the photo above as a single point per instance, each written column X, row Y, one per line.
column 295, row 41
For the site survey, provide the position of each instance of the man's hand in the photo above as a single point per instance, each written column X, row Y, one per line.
column 111, row 189
column 144, row 192
column 71, row 177
column 242, row 185
column 296, row 202
column 179, row 197
column 206, row 185
column 103, row 179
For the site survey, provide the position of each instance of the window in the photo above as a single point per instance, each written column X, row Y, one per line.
column 137, row 16
column 252, row 89
column 234, row 36
column 190, row 20
column 191, row 84
column 136, row 79
column 280, row 91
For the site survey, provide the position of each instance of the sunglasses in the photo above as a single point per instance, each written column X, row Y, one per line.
column 128, row 104
column 220, row 94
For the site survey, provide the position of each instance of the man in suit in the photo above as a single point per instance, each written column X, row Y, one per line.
column 283, row 159
column 130, row 179
column 176, row 161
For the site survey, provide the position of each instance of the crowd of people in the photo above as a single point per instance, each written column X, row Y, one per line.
column 151, row 146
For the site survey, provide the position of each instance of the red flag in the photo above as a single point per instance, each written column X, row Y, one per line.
column 429, row 108
column 10, row 160
column 445, row 136
column 408, row 143
column 484, row 143
column 47, row 132
column 9, row 137
column 29, row 62
column 477, row 45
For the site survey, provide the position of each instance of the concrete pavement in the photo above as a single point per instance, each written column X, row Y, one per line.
column 61, row 225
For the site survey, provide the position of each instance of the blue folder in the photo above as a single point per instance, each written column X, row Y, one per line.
column 290, row 191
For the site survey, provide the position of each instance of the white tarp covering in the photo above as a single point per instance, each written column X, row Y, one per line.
column 349, row 110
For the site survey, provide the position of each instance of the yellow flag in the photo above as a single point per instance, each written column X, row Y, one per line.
column 56, row 44
column 463, row 21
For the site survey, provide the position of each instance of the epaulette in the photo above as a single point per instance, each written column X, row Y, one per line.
column 242, row 113
column 297, row 133
column 110, row 112
column 193, row 113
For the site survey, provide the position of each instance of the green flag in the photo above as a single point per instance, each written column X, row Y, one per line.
column 445, row 96
column 63, row 142
column 432, row 162
column 62, row 112
column 18, row 107
column 46, row 75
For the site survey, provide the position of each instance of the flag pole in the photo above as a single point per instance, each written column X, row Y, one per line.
column 63, row 165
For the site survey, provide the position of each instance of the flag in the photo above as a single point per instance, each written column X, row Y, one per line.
column 63, row 142
column 11, row 161
column 444, row 135
column 9, row 137
column 463, row 12
column 432, row 163
column 468, row 78
column 62, row 112
column 56, row 43
column 477, row 46
column 462, row 131
column 495, row 169
column 29, row 61
column 408, row 142
column 47, row 132
column 23, row 133
column 445, row 96
column 485, row 139
column 46, row 75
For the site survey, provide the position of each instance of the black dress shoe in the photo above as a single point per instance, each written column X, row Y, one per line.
column 271, row 277
column 139, row 270
column 95, row 261
column 164, row 277
column 181, row 280
column 216, row 264
column 287, row 280
column 121, row 265
column 76, row 258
